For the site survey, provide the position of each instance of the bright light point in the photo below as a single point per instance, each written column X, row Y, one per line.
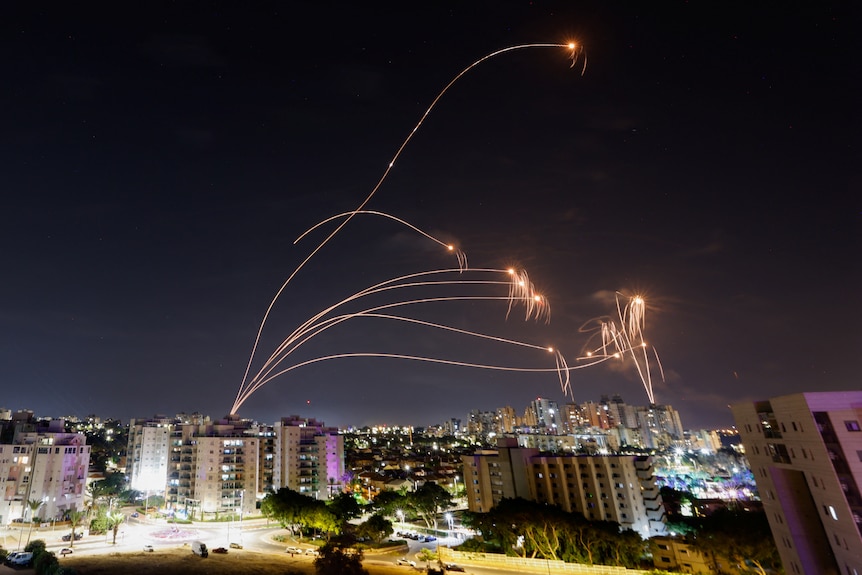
column 589, row 354
column 511, row 271
column 638, row 300
column 537, row 297
column 643, row 344
column 571, row 45
column 521, row 283
column 616, row 355
column 450, row 248
column 551, row 349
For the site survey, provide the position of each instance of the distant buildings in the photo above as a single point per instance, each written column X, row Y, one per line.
column 608, row 488
column 805, row 451
column 40, row 462
column 608, row 424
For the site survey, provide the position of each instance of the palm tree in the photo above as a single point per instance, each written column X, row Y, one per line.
column 34, row 505
column 115, row 519
column 75, row 518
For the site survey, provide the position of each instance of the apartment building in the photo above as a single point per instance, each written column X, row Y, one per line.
column 609, row 488
column 805, row 451
column 148, row 453
column 214, row 468
column 39, row 461
column 308, row 457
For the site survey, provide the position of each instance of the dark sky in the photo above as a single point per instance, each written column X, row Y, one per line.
column 157, row 166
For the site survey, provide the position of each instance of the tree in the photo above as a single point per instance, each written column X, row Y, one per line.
column 531, row 529
column 75, row 518
column 428, row 501
column 344, row 507
column 389, row 502
column 115, row 519
column 287, row 507
column 337, row 558
column 296, row 511
column 741, row 538
column 45, row 563
column 426, row 555
column 375, row 528
column 33, row 505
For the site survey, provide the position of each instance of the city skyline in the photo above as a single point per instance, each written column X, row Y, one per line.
column 159, row 174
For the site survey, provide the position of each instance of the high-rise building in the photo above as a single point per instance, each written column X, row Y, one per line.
column 507, row 421
column 660, row 426
column 41, row 462
column 148, row 453
column 309, row 457
column 213, row 468
column 805, row 451
column 572, row 418
column 546, row 414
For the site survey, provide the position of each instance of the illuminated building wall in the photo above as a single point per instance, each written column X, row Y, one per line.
column 214, row 468
column 148, row 453
column 601, row 488
column 805, row 451
column 609, row 488
column 507, row 421
column 547, row 415
column 492, row 474
column 46, row 465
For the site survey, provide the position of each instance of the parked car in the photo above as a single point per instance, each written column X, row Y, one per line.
column 220, row 550
column 135, row 514
column 148, row 548
column 312, row 551
column 406, row 561
column 22, row 559
column 235, row 546
column 68, row 537
column 453, row 567
column 65, row 551
column 294, row 550
column 430, row 538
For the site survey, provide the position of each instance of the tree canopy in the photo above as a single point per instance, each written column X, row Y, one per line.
column 535, row 530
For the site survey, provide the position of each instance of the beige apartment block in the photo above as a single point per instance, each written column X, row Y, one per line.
column 805, row 451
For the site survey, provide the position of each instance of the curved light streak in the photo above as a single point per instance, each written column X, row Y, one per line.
column 575, row 49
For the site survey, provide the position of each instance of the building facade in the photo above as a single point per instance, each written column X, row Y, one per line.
column 43, row 463
column 805, row 451
column 608, row 488
column 308, row 457
column 148, row 453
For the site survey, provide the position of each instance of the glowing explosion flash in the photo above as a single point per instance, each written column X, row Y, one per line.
column 576, row 51
column 626, row 340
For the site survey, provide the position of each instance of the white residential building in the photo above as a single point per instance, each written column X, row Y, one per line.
column 148, row 453
column 43, row 463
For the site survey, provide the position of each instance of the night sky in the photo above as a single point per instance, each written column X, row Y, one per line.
column 158, row 165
